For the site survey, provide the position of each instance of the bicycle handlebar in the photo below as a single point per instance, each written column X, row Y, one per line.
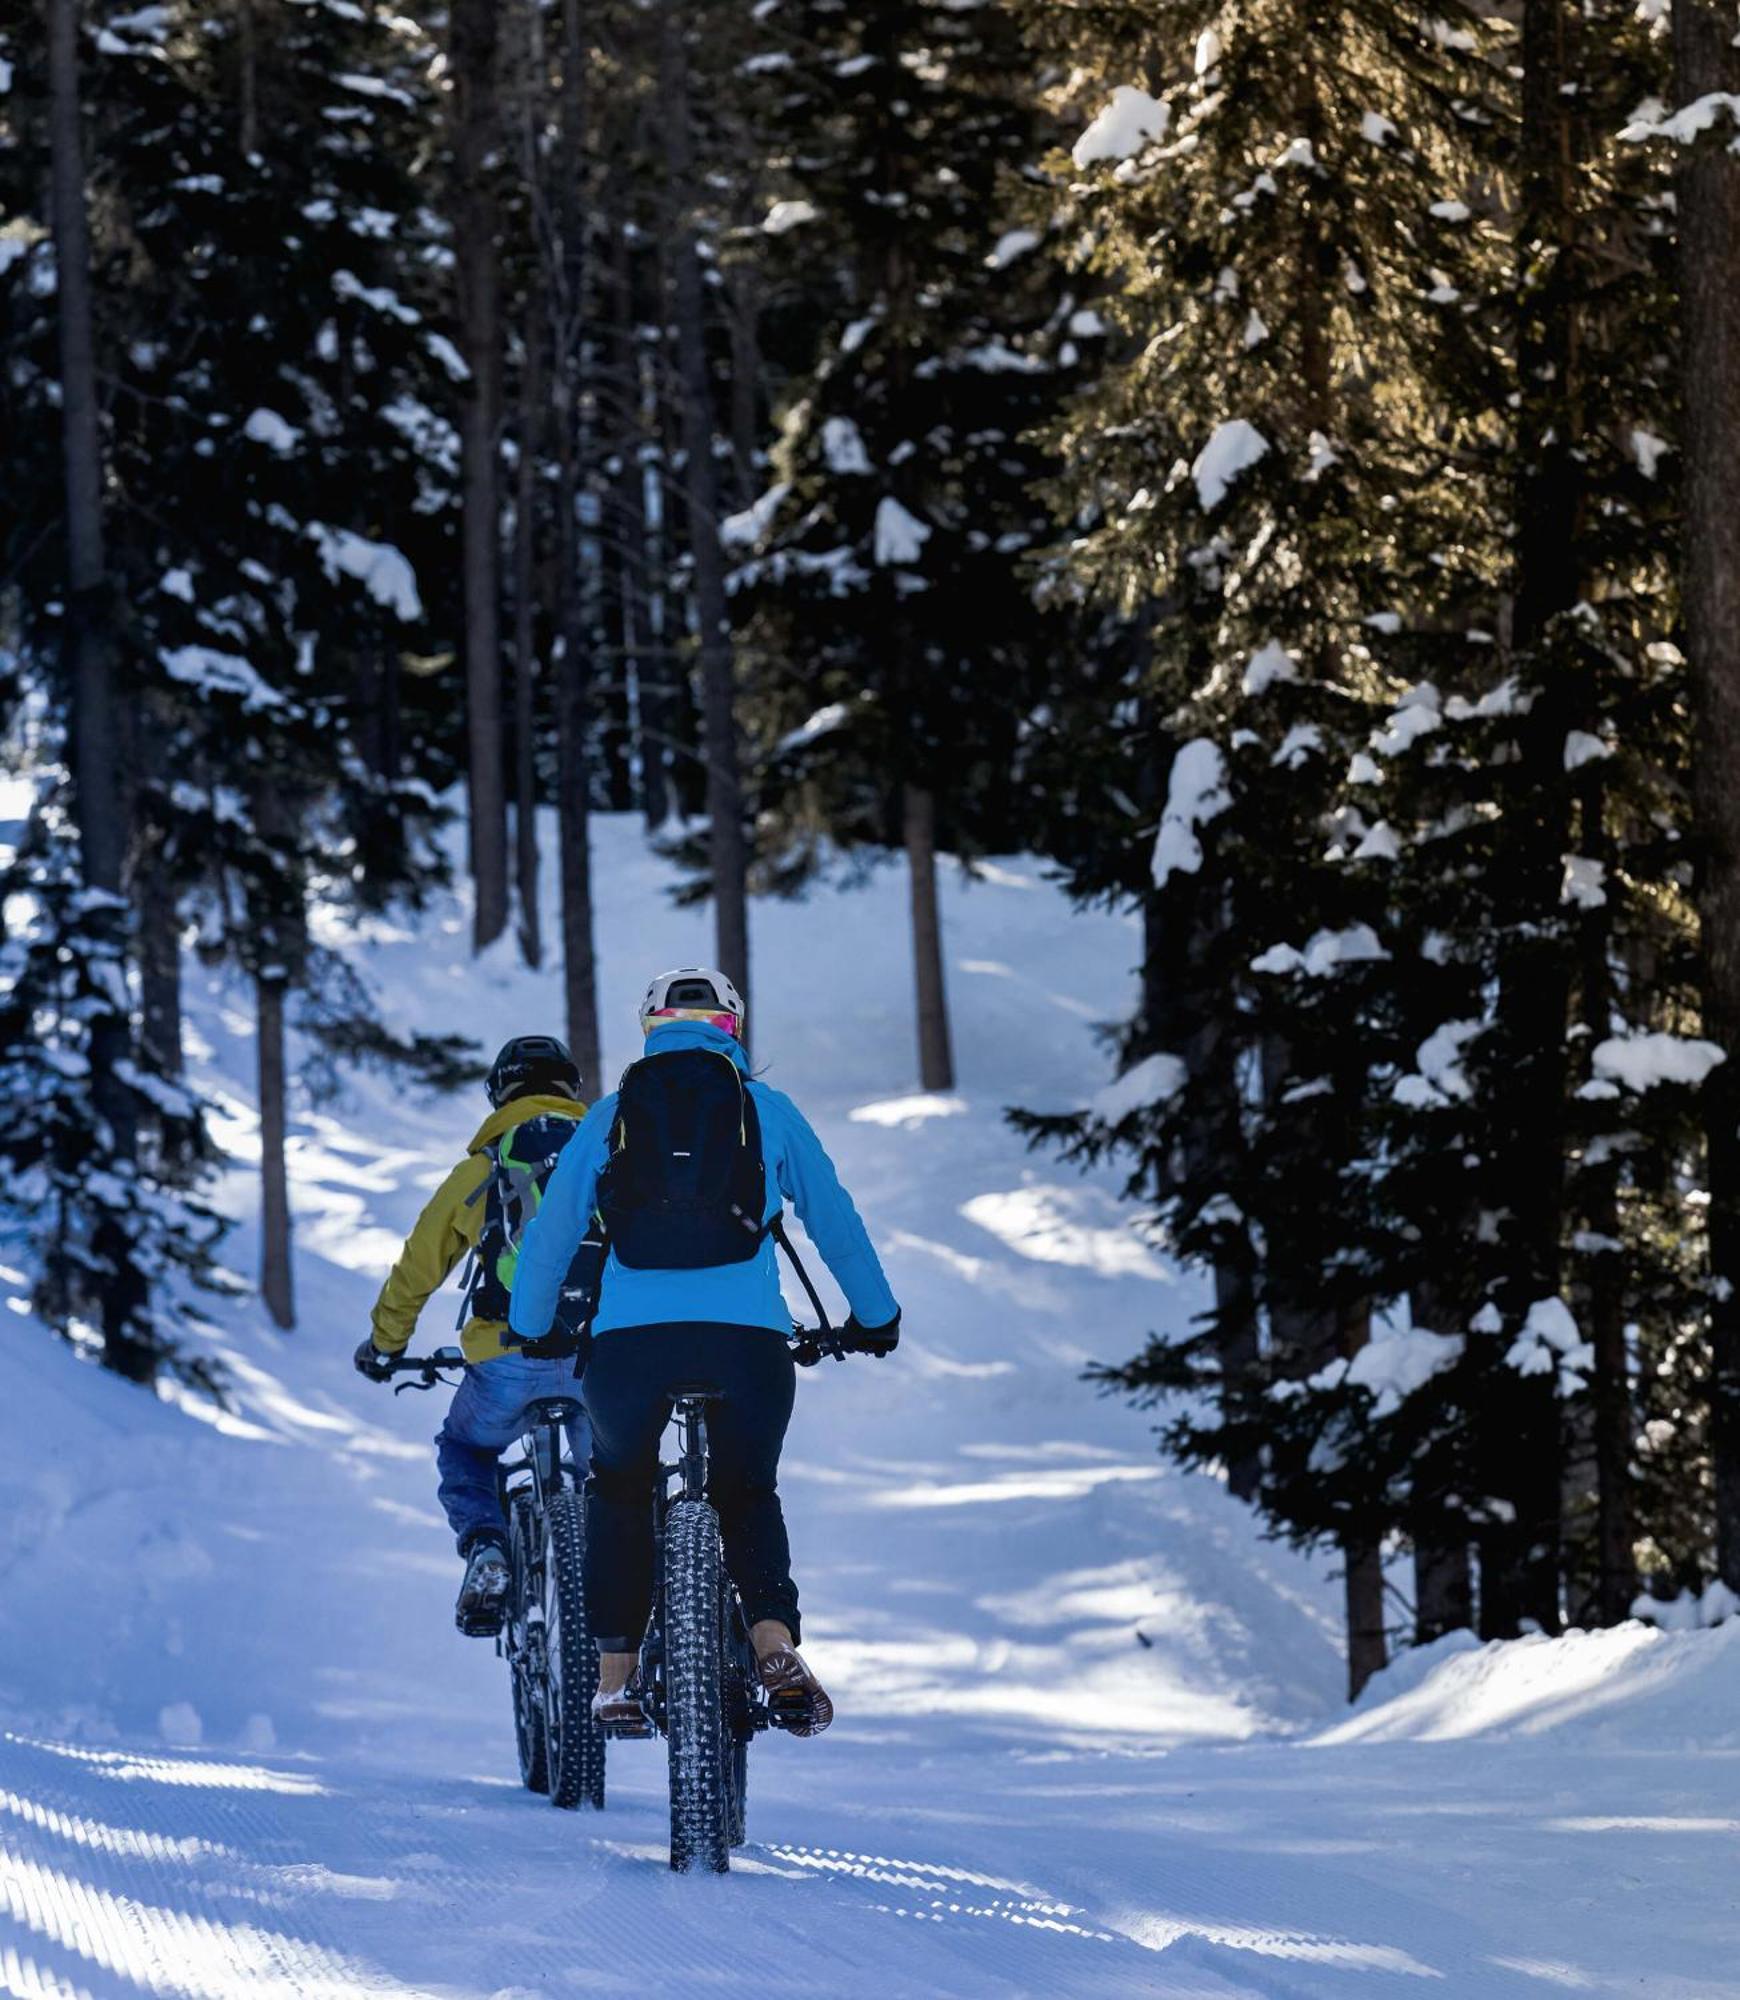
column 809, row 1345
column 428, row 1367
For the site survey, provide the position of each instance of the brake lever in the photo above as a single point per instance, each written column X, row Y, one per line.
column 427, row 1380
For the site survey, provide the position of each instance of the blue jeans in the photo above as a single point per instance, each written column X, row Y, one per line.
column 487, row 1415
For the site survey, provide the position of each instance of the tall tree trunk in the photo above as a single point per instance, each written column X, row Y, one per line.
column 1443, row 1590
column 1709, row 218
column 661, row 694
column 573, row 691
column 1211, row 1148
column 158, row 918
column 1443, row 1559
column 96, row 723
column 745, row 382
column 270, row 988
column 727, row 845
column 1535, row 977
column 525, row 630
column 1367, row 1641
column 472, row 53
column 1363, row 1586
column 248, row 82
column 1601, row 1292
column 936, row 1062
column 279, row 945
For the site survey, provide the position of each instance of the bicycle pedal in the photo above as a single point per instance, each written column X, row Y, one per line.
column 629, row 1732
column 797, row 1714
column 480, row 1624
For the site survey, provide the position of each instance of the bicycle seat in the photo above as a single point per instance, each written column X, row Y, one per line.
column 696, row 1392
column 552, row 1410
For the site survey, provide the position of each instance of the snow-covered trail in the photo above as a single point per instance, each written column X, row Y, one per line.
column 247, row 1753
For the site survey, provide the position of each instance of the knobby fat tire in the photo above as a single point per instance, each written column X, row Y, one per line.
column 694, row 1692
column 576, row 1743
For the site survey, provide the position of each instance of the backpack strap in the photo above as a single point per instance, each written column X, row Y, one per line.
column 776, row 1229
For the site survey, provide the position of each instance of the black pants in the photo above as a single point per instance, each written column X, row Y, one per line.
column 628, row 1384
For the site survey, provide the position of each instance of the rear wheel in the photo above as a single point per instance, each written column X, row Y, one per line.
column 695, row 1724
column 523, row 1641
column 576, row 1743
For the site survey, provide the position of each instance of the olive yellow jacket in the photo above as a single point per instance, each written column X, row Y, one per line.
column 449, row 1226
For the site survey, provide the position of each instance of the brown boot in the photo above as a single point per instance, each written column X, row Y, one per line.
column 796, row 1700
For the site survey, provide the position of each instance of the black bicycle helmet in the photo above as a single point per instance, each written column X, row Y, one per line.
column 532, row 1063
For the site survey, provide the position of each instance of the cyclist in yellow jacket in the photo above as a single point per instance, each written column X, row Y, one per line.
column 534, row 1087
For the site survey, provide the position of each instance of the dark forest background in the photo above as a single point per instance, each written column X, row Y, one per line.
column 1277, row 463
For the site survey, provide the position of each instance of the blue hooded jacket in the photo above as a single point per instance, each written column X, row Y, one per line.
column 747, row 1294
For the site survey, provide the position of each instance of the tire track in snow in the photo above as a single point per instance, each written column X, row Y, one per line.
column 130, row 1874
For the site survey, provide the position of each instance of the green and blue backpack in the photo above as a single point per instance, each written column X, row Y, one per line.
column 521, row 1162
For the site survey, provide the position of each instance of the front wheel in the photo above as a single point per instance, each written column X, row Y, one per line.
column 576, row 1743
column 695, row 1722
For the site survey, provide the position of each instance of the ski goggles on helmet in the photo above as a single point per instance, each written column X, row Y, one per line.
column 727, row 1024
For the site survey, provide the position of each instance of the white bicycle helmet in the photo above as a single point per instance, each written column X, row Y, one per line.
column 693, row 993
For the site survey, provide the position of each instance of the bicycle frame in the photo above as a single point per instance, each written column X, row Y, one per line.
column 541, row 1448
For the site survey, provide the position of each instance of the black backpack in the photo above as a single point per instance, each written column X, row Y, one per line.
column 685, row 1185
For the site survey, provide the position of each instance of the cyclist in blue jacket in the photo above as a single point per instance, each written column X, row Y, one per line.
column 659, row 1323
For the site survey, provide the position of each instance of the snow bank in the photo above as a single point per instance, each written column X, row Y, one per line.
column 1629, row 1685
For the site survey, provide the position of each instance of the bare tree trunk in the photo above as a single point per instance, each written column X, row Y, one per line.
column 745, row 382
column 525, row 627
column 1520, row 1558
column 1367, row 1641
column 1175, row 938
column 247, row 33
column 279, row 948
column 472, row 50
column 1443, row 1542
column 1599, row 1263
column 642, row 503
column 573, row 667
column 726, row 839
column 1443, row 1591
column 936, row 1062
column 159, row 926
column 97, row 724
column 1367, row 1646
column 1709, row 216
column 275, row 1270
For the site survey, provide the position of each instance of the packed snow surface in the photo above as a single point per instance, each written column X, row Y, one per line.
column 1090, row 1742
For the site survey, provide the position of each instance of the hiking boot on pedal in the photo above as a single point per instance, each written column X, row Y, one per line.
column 796, row 1701
column 483, row 1594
